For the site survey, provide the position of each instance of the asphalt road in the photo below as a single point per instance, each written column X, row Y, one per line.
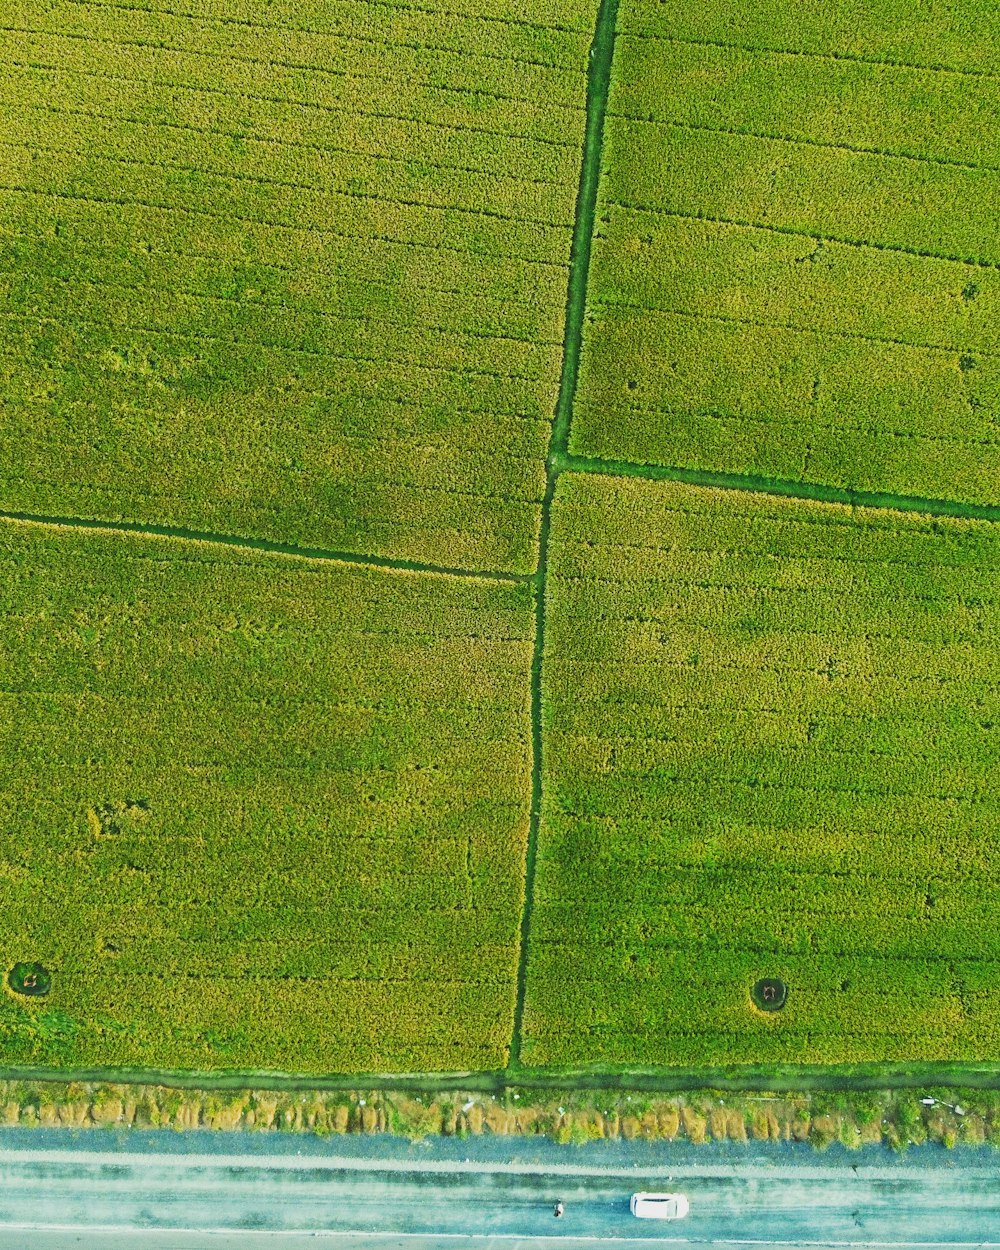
column 492, row 1195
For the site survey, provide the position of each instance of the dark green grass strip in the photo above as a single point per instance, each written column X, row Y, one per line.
column 744, row 1079
column 817, row 492
column 598, row 83
column 261, row 544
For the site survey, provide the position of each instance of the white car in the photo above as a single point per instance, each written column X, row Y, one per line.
column 659, row 1206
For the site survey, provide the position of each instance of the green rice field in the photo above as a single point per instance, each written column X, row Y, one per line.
column 499, row 526
column 796, row 265
column 772, row 748
column 293, row 271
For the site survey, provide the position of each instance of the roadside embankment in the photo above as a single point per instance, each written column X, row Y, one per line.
column 897, row 1119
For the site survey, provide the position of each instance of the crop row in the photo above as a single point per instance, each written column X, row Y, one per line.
column 156, row 165
column 850, row 194
column 823, row 287
column 933, row 41
column 347, row 36
column 451, row 120
column 788, row 95
column 429, row 112
column 296, row 264
column 259, row 811
column 745, row 777
column 282, row 327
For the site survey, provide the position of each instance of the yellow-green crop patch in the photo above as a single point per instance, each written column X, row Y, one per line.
column 796, row 272
column 258, row 812
column 772, row 743
column 293, row 271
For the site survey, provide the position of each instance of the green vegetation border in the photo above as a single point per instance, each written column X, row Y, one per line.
column 598, row 88
column 260, row 544
column 803, row 1078
column 814, row 492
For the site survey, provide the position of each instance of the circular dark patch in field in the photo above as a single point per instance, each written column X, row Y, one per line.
column 769, row 994
column 29, row 979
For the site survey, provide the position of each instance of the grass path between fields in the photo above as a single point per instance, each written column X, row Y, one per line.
column 817, row 492
column 262, row 544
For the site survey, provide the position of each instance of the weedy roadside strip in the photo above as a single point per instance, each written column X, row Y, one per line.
column 899, row 1120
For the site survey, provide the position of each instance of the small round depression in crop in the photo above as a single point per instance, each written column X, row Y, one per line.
column 30, row 979
column 769, row 994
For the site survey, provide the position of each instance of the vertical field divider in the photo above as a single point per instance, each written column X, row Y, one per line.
column 598, row 85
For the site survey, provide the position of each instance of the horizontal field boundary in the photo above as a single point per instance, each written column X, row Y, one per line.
column 237, row 542
column 971, row 262
column 742, row 1079
column 814, row 492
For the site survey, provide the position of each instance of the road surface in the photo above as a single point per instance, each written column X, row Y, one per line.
column 156, row 1192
